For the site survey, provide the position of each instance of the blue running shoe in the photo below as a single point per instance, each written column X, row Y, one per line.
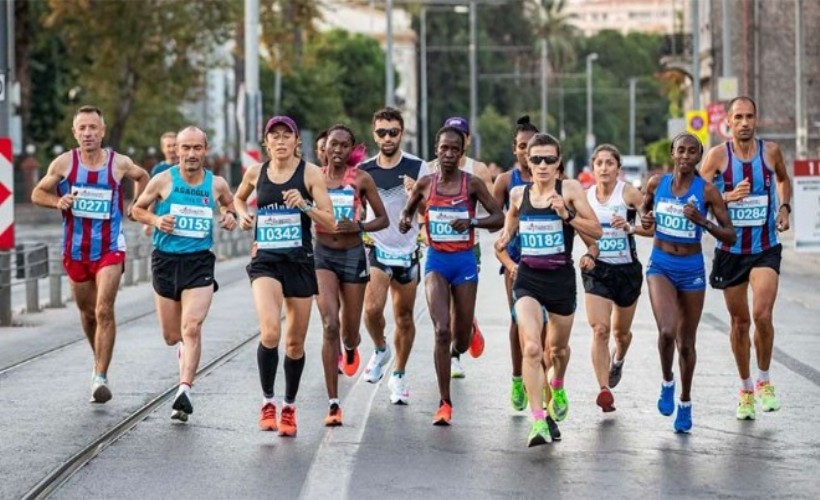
column 666, row 401
column 683, row 420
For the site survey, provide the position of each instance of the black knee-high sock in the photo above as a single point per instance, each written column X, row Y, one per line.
column 267, row 360
column 293, row 374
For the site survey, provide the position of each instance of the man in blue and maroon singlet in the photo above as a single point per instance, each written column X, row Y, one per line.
column 88, row 183
column 755, row 184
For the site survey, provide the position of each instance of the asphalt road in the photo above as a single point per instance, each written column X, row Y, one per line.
column 386, row 451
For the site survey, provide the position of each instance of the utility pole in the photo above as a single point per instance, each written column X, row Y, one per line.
column 424, row 104
column 632, row 82
column 253, row 100
column 801, row 121
column 6, row 64
column 474, row 82
column 695, row 54
column 390, row 89
column 727, row 40
column 544, row 85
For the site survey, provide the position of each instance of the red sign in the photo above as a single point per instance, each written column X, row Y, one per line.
column 717, row 119
column 6, row 195
column 807, row 168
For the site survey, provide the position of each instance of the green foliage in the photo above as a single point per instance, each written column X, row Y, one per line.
column 495, row 130
column 657, row 153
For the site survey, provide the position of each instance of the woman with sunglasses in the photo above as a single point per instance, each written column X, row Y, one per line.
column 676, row 205
column 520, row 175
column 546, row 216
column 291, row 196
column 451, row 270
column 610, row 270
column 341, row 264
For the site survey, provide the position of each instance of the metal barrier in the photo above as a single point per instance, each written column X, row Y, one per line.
column 31, row 262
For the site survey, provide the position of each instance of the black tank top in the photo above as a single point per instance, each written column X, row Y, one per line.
column 281, row 240
column 546, row 242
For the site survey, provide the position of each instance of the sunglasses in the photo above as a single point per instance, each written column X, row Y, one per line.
column 549, row 160
column 392, row 132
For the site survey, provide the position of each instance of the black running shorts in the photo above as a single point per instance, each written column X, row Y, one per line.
column 554, row 289
column 729, row 269
column 173, row 273
column 399, row 274
column 349, row 265
column 620, row 283
column 298, row 279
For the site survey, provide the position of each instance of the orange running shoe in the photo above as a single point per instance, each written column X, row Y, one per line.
column 334, row 416
column 287, row 424
column 351, row 368
column 477, row 342
column 443, row 415
column 267, row 419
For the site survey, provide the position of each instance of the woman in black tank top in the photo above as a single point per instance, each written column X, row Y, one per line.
column 546, row 216
column 291, row 195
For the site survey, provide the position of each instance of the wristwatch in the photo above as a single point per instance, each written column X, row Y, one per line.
column 361, row 225
column 570, row 215
column 473, row 222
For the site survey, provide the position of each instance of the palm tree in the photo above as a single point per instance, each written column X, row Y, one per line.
column 552, row 23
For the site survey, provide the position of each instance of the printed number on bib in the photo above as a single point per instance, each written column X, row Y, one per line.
column 91, row 202
column 192, row 222
column 278, row 229
column 342, row 200
column 750, row 211
column 393, row 259
column 669, row 220
column 614, row 244
column 541, row 236
column 439, row 219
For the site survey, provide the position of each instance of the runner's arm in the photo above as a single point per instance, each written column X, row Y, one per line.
column 723, row 230
column 243, row 192
column 152, row 193
column 322, row 210
column 585, row 220
column 508, row 232
column 44, row 192
column 495, row 218
column 227, row 213
column 500, row 187
column 634, row 199
column 784, row 186
column 371, row 194
column 413, row 201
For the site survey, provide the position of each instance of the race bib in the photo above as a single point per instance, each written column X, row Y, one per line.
column 278, row 229
column 342, row 200
column 669, row 220
column 614, row 244
column 439, row 219
column 750, row 211
column 393, row 259
column 91, row 202
column 191, row 221
column 541, row 236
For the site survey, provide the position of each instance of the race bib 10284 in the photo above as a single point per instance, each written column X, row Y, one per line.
column 750, row 211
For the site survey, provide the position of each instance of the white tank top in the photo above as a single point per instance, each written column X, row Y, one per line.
column 615, row 244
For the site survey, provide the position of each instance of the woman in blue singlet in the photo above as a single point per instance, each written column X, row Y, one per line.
column 676, row 204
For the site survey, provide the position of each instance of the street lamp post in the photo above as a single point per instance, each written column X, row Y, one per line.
column 590, row 142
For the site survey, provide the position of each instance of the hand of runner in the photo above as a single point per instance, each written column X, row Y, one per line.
column 227, row 221
column 293, row 199
column 461, row 225
column 691, row 212
column 557, row 204
column 409, row 182
column 648, row 219
column 782, row 220
column 619, row 222
column 65, row 202
column 128, row 212
column 246, row 221
column 513, row 271
column 165, row 223
column 347, row 226
column 741, row 190
column 502, row 241
column 405, row 224
column 147, row 229
column 587, row 263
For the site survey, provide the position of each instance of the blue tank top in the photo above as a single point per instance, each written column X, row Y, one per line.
column 670, row 223
column 754, row 217
column 193, row 211
column 514, row 246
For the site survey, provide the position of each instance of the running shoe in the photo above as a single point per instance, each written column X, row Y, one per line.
column 558, row 406
column 518, row 394
column 615, row 372
column 683, row 420
column 456, row 370
column 334, row 416
column 746, row 406
column 443, row 415
column 350, row 366
column 769, row 402
column 399, row 393
column 287, row 423
column 555, row 433
column 666, row 401
column 539, row 433
column 477, row 341
column 605, row 400
column 375, row 367
column 100, row 393
column 267, row 417
column 182, row 407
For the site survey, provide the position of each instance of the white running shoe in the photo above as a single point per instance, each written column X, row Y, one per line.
column 399, row 393
column 456, row 370
column 375, row 367
column 100, row 393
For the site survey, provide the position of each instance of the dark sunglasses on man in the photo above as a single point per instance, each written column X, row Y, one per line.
column 549, row 160
column 392, row 132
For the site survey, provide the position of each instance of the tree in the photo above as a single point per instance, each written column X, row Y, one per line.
column 552, row 23
column 495, row 131
column 139, row 60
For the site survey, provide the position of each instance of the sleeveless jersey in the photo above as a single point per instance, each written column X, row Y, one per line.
column 546, row 242
column 445, row 208
column 93, row 225
column 755, row 216
column 282, row 233
column 670, row 223
column 345, row 198
column 390, row 186
column 514, row 246
column 615, row 245
column 193, row 211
